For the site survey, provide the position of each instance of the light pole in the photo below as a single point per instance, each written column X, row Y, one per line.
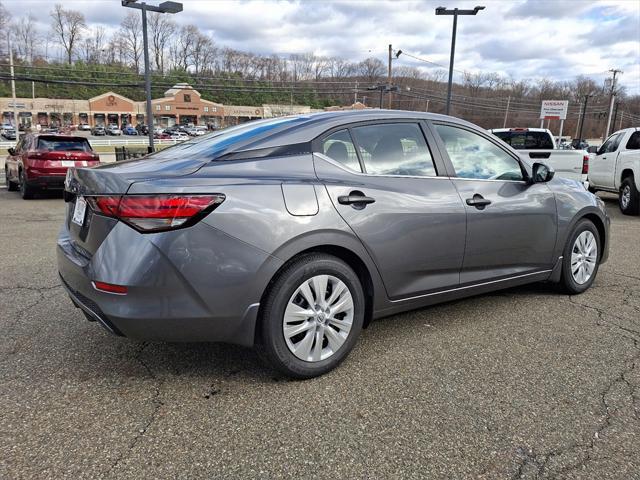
column 164, row 7
column 584, row 113
column 455, row 12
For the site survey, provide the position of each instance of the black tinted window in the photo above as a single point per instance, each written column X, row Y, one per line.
column 394, row 149
column 634, row 141
column 612, row 143
column 525, row 140
column 473, row 156
column 54, row 144
column 339, row 147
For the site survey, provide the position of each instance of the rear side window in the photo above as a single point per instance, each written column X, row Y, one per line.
column 524, row 140
column 394, row 149
column 473, row 156
column 339, row 147
column 634, row 141
column 53, row 144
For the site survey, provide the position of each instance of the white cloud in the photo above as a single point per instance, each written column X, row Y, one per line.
column 559, row 39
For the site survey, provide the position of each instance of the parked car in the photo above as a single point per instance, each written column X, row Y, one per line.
column 616, row 168
column 41, row 161
column 9, row 133
column 142, row 129
column 129, row 130
column 113, row 130
column 539, row 144
column 310, row 247
column 196, row 131
column 162, row 136
column 158, row 130
column 83, row 127
column 98, row 131
column 181, row 136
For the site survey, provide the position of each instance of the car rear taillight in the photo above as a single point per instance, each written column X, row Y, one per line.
column 110, row 288
column 585, row 165
column 156, row 213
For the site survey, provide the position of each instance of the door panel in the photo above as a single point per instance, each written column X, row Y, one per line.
column 602, row 168
column 414, row 231
column 513, row 235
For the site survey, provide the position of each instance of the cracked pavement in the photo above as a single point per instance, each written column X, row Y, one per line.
column 523, row 383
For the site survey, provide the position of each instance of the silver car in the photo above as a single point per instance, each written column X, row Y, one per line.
column 292, row 234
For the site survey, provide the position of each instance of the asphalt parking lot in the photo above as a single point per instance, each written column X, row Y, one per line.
column 523, row 383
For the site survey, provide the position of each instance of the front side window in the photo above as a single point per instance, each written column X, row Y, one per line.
column 339, row 147
column 611, row 144
column 394, row 149
column 473, row 156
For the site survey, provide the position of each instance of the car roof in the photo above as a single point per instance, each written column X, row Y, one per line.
column 304, row 128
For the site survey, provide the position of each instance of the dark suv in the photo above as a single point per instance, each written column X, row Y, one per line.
column 40, row 161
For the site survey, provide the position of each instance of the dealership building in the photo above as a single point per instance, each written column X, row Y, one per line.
column 181, row 104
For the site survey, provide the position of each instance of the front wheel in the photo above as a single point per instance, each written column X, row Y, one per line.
column 312, row 316
column 581, row 258
column 629, row 198
column 11, row 186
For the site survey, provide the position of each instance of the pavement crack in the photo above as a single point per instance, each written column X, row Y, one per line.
column 157, row 404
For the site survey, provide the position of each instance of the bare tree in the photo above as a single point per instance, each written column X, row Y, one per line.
column 68, row 26
column 5, row 16
column 182, row 49
column 94, row 46
column 371, row 68
column 131, row 35
column 26, row 36
column 203, row 52
column 162, row 30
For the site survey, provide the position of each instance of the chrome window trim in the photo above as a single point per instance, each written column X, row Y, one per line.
column 339, row 165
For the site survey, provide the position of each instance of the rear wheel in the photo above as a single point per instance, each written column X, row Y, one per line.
column 629, row 198
column 581, row 258
column 26, row 191
column 11, row 186
column 312, row 316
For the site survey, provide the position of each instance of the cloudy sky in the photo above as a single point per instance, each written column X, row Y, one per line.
column 558, row 39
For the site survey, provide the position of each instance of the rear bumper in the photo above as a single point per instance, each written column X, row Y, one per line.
column 46, row 181
column 179, row 287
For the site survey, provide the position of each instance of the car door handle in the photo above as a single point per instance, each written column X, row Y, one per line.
column 478, row 201
column 355, row 199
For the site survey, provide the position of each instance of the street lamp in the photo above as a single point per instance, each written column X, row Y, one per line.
column 164, row 7
column 455, row 12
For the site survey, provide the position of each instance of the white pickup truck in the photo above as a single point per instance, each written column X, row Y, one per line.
column 616, row 168
column 538, row 144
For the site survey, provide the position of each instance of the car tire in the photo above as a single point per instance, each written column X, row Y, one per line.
column 580, row 263
column 11, row 186
column 629, row 198
column 26, row 191
column 287, row 293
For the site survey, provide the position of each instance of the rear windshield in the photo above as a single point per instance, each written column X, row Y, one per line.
column 217, row 144
column 53, row 144
column 526, row 140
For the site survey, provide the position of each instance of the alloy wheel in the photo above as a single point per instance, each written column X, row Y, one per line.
column 318, row 318
column 625, row 197
column 584, row 256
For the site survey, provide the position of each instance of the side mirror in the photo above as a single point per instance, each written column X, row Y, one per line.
column 12, row 151
column 541, row 173
column 592, row 149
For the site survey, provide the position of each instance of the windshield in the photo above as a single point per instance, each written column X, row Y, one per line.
column 525, row 140
column 53, row 144
column 214, row 145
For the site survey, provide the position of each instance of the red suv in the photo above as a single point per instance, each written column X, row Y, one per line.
column 40, row 161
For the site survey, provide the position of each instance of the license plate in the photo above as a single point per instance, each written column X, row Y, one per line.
column 79, row 211
column 68, row 163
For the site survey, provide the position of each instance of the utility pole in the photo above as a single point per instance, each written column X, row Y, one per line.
column 612, row 98
column 506, row 112
column 164, row 7
column 13, row 87
column 455, row 12
column 389, row 79
column 615, row 115
column 355, row 94
column 584, row 112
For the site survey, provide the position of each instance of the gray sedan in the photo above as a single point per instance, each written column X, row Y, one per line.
column 292, row 234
